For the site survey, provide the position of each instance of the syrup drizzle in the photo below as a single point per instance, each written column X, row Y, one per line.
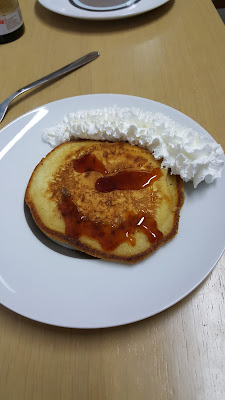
column 89, row 162
column 127, row 180
column 109, row 236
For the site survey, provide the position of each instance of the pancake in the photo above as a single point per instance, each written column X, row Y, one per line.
column 109, row 200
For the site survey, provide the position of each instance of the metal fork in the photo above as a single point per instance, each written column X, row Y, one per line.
column 60, row 72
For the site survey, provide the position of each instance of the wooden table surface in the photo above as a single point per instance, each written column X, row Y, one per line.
column 175, row 55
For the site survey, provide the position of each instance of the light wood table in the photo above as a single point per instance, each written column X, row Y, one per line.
column 174, row 55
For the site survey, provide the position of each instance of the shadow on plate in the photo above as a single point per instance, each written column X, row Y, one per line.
column 58, row 248
column 190, row 191
column 106, row 5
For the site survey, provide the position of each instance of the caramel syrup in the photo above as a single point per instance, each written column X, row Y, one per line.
column 108, row 236
column 127, row 180
column 89, row 162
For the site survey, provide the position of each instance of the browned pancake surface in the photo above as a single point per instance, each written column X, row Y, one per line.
column 55, row 175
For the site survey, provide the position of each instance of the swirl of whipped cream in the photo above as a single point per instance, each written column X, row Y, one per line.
column 195, row 157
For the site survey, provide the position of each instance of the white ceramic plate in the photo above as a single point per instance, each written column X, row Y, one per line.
column 72, row 8
column 46, row 282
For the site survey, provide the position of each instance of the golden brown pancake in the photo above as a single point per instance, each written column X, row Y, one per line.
column 109, row 200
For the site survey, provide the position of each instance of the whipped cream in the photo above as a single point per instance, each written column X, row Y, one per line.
column 195, row 157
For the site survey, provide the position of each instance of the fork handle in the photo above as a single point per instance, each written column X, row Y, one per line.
column 62, row 71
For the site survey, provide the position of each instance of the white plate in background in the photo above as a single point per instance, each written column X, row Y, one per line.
column 48, row 283
column 70, row 9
